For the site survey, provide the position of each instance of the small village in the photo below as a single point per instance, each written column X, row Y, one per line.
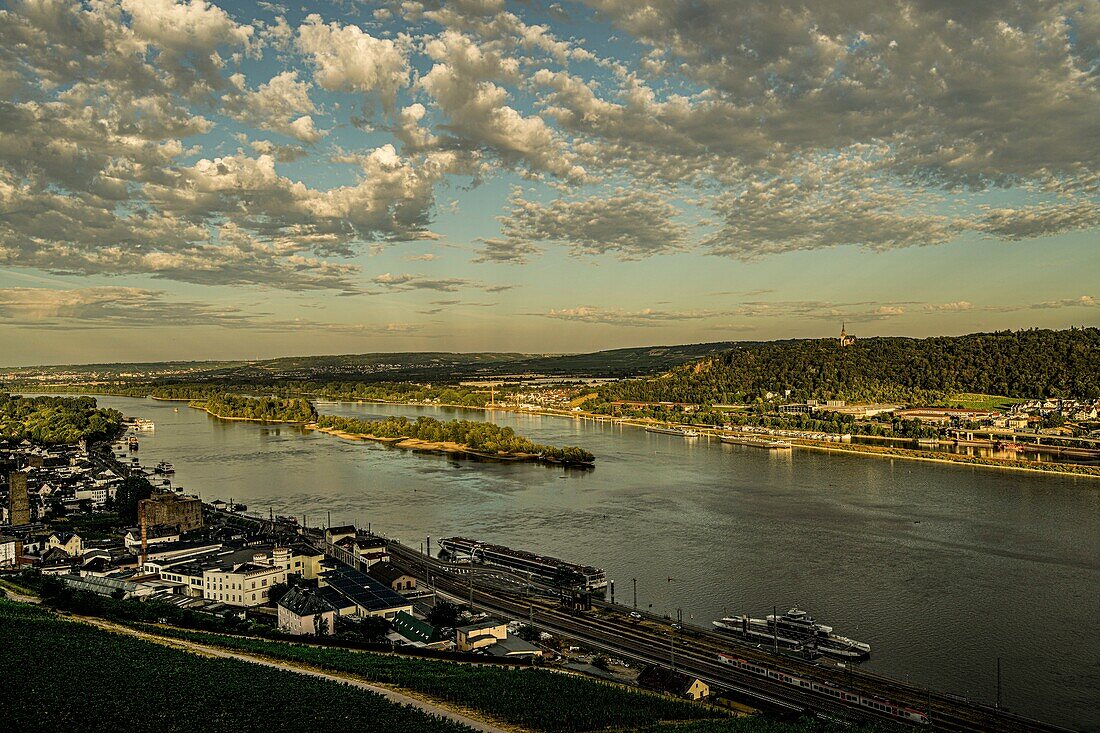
column 222, row 569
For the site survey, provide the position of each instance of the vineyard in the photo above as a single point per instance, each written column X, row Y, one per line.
column 535, row 699
column 65, row 676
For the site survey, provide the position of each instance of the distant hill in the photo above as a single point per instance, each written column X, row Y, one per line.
column 1034, row 363
column 383, row 367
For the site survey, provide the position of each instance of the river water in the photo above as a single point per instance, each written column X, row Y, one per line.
column 940, row 568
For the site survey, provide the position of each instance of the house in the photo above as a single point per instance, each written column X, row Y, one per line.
column 480, row 635
column 388, row 573
column 305, row 611
column 513, row 647
column 11, row 552
column 69, row 542
column 361, row 551
column 153, row 536
column 335, row 534
column 670, row 682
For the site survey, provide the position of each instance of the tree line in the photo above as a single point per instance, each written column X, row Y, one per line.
column 1035, row 363
column 56, row 420
column 269, row 409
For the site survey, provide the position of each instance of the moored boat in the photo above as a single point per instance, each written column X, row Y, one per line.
column 795, row 630
column 682, row 432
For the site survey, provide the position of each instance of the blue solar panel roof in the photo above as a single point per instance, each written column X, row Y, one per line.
column 363, row 590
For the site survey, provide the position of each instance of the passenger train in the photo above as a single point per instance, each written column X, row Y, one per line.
column 839, row 694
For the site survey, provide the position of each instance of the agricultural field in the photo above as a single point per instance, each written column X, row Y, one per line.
column 534, row 699
column 65, row 676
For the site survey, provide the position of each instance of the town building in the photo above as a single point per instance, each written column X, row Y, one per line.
column 944, row 415
column 846, row 339
column 305, row 611
column 68, row 542
column 19, row 508
column 480, row 635
column 415, row 632
column 389, row 574
column 670, row 682
column 157, row 535
column 11, row 552
column 171, row 510
column 356, row 593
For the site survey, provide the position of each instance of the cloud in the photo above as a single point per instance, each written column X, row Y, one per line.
column 463, row 85
column 1083, row 301
column 108, row 307
column 128, row 307
column 281, row 105
column 505, row 250
column 345, row 58
column 406, row 281
column 645, row 317
column 956, row 307
column 628, row 224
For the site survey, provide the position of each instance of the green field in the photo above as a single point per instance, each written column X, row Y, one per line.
column 972, row 401
column 65, row 676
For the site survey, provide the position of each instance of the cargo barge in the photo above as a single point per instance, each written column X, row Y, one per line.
column 545, row 569
column 683, row 433
column 757, row 442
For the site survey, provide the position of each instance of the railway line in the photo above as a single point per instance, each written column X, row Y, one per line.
column 696, row 650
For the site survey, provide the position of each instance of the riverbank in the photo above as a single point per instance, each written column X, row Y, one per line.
column 1059, row 469
column 423, row 446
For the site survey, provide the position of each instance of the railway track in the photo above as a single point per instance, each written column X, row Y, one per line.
column 695, row 650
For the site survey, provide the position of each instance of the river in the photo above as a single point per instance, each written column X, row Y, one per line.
column 940, row 568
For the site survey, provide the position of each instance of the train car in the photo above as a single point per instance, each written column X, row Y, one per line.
column 841, row 695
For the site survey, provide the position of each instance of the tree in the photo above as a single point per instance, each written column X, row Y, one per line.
column 277, row 591
column 443, row 614
column 130, row 492
column 527, row 632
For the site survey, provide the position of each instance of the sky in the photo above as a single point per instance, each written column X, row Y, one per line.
column 197, row 180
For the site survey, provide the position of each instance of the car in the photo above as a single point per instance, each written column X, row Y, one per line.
column 635, row 615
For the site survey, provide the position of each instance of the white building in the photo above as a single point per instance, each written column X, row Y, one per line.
column 304, row 611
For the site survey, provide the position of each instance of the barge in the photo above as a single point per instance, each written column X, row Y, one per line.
column 546, row 569
column 673, row 431
column 756, row 442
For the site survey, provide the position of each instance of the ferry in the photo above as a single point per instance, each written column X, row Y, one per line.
column 756, row 442
column 140, row 423
column 683, row 433
column 798, row 631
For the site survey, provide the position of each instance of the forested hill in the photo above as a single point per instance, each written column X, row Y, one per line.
column 1035, row 363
